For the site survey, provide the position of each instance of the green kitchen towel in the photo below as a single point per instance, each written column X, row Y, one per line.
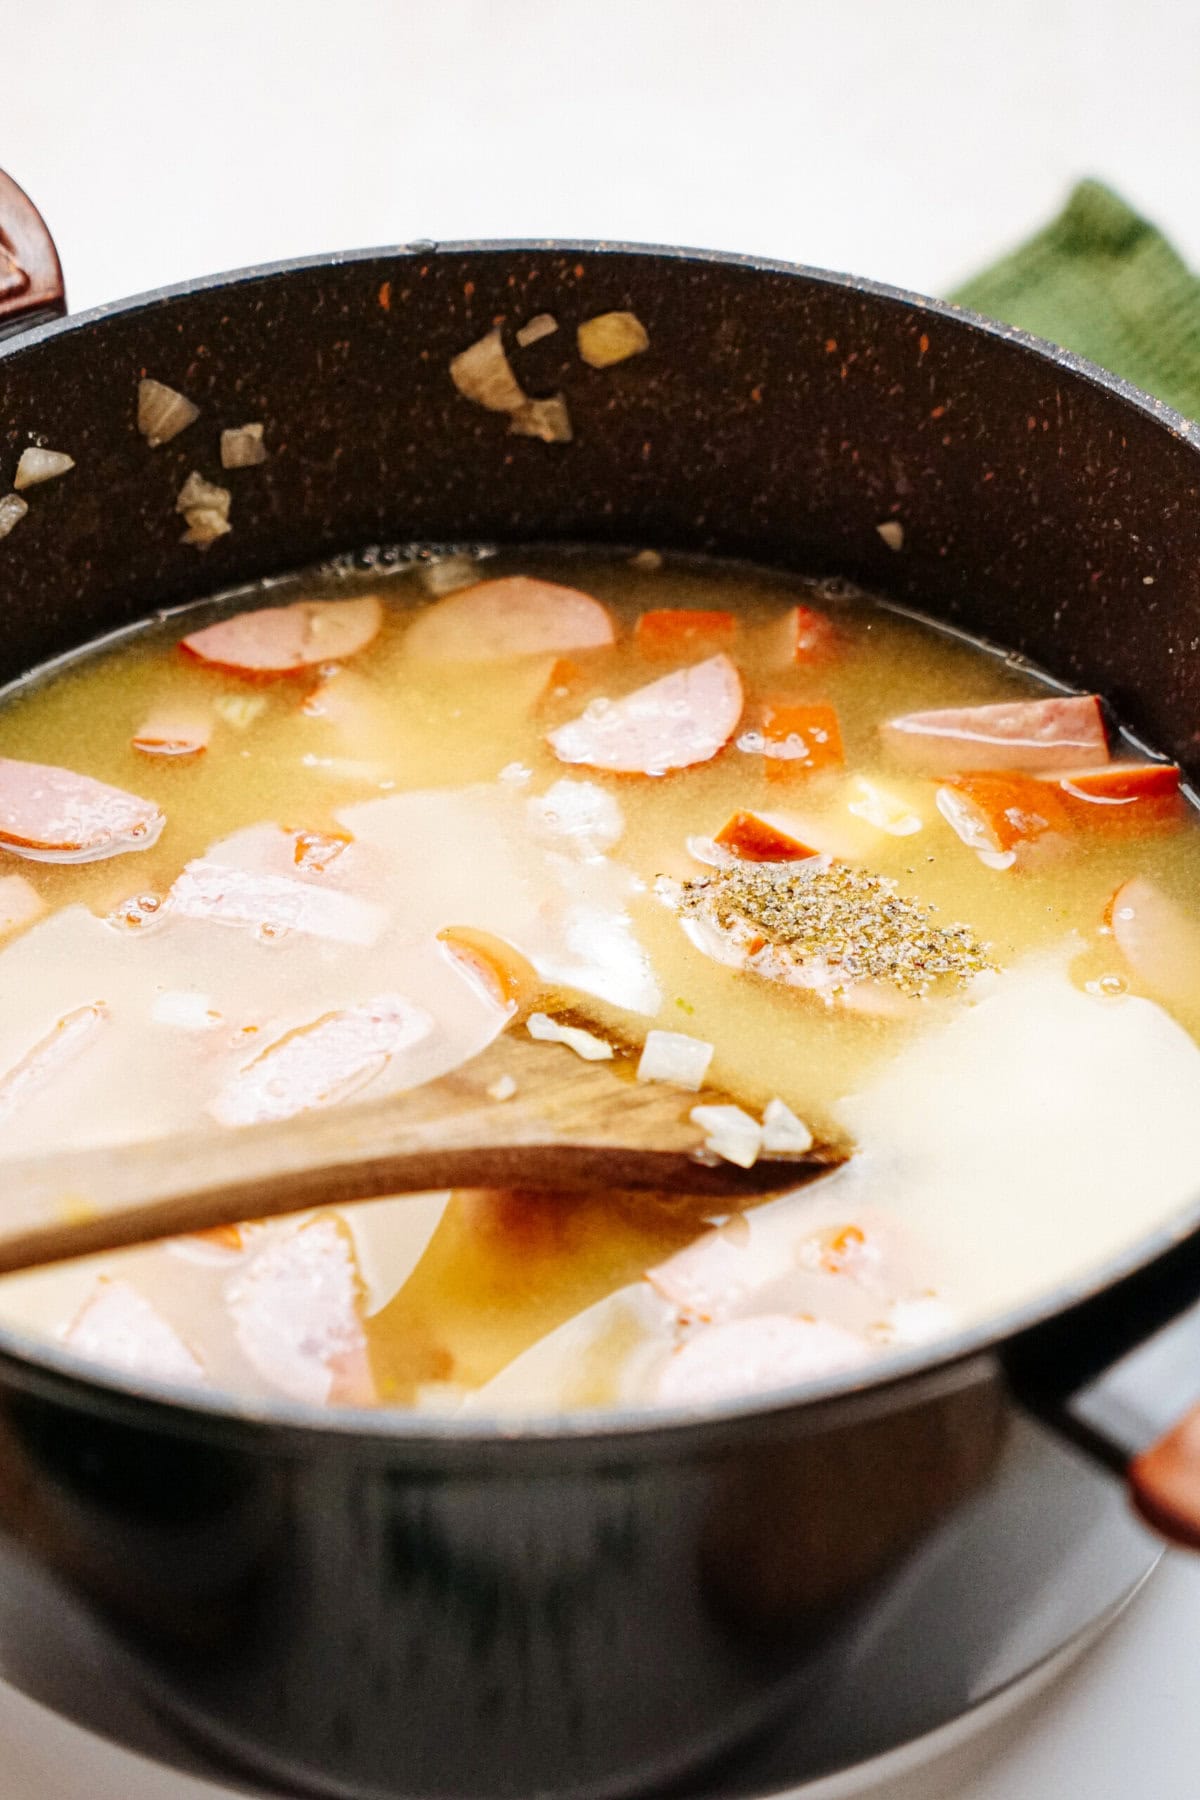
column 1103, row 281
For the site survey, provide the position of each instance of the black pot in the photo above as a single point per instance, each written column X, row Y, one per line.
column 377, row 1605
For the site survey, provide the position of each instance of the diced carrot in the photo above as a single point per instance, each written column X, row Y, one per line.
column 808, row 636
column 1159, row 941
column 1006, row 812
column 222, row 1237
column 563, row 681
column 54, row 815
column 1001, row 812
column 754, row 840
column 278, row 640
column 1124, row 781
column 1062, row 732
column 682, row 719
column 1124, row 796
column 841, row 1248
column 674, row 635
column 515, row 616
column 173, row 731
column 800, row 739
column 315, row 850
column 506, row 976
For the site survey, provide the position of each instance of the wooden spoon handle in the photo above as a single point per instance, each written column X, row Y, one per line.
column 570, row 1125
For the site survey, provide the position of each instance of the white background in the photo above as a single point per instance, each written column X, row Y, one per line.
column 912, row 142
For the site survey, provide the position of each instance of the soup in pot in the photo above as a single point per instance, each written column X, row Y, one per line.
column 882, row 885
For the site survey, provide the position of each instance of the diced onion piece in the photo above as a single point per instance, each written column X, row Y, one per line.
column 542, row 325
column 548, row 420
column 185, row 1010
column 240, row 710
column 40, row 465
column 731, row 1133
column 483, row 373
column 446, row 574
column 916, row 1321
column 206, row 509
column 892, row 533
column 196, row 493
column 548, row 1031
column 503, row 1088
column 886, row 811
column 162, row 413
column 611, row 338
column 20, row 904
column 204, row 526
column 12, row 511
column 783, row 1134
column 579, row 812
column 242, row 447
column 674, row 1057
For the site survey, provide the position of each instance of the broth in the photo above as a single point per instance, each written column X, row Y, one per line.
column 1012, row 1120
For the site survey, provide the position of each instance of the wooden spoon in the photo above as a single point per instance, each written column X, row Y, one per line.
column 570, row 1124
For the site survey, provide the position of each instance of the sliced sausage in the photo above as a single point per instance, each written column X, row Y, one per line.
column 118, row 1327
column 1064, row 731
column 273, row 904
column 321, row 1063
column 173, row 731
column 297, row 1304
column 54, row 815
column 515, row 616
column 507, row 978
column 752, row 1356
column 671, row 724
column 1159, row 941
column 65, row 1040
column 20, row 904
column 278, row 640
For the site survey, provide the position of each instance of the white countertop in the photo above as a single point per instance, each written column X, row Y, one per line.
column 911, row 143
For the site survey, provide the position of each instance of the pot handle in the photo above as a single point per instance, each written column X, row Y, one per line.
column 31, row 278
column 1119, row 1375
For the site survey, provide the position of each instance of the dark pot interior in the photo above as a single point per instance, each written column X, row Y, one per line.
column 552, row 1618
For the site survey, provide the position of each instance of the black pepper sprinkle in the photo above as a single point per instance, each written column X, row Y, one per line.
column 855, row 922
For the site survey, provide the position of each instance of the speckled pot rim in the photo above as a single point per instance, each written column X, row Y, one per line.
column 961, row 1360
